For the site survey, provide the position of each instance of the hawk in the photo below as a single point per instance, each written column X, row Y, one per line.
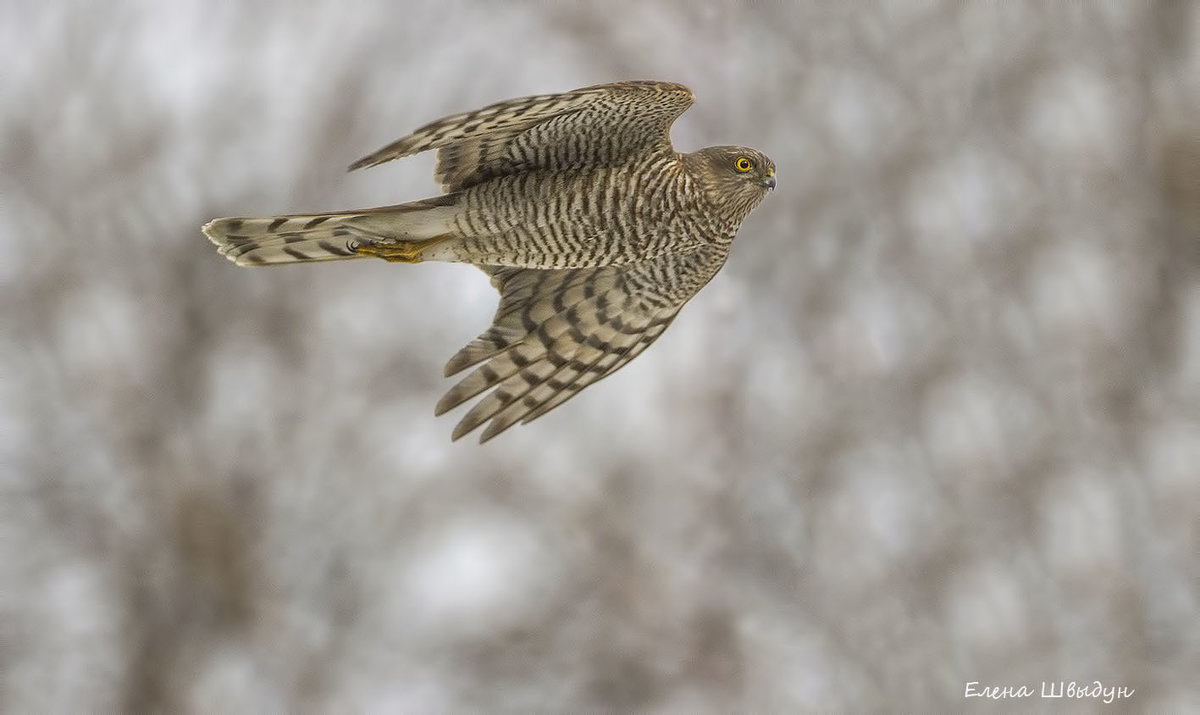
column 592, row 227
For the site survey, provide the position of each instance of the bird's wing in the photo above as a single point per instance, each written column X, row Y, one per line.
column 555, row 333
column 602, row 125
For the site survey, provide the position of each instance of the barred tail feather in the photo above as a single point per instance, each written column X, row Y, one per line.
column 328, row 237
column 263, row 241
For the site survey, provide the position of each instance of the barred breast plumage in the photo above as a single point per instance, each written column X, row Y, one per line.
column 594, row 230
column 575, row 219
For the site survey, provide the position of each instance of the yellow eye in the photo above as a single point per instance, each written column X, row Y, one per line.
column 743, row 164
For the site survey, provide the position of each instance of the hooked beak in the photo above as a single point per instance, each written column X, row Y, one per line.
column 769, row 181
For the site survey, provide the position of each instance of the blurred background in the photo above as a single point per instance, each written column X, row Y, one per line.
column 937, row 421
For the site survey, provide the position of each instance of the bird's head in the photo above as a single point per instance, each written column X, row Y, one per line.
column 736, row 177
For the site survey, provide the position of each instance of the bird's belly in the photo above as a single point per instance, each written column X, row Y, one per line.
column 558, row 220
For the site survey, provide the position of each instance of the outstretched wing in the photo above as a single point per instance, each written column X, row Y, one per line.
column 602, row 125
column 555, row 333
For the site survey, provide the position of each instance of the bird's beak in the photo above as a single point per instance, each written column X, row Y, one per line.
column 769, row 181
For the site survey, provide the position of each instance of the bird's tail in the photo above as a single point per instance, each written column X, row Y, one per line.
column 394, row 232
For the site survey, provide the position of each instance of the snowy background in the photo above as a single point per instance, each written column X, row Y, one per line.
column 937, row 421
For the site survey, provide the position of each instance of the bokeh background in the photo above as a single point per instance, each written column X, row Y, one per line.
column 937, row 421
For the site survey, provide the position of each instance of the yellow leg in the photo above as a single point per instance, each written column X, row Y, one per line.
column 407, row 252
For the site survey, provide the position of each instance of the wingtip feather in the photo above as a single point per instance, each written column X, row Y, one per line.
column 461, row 429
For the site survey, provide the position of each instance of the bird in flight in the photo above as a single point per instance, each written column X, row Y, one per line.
column 594, row 230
